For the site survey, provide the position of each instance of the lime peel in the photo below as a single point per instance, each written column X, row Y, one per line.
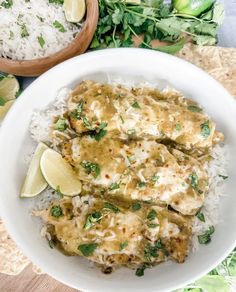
column 34, row 182
column 59, row 173
column 74, row 10
column 9, row 87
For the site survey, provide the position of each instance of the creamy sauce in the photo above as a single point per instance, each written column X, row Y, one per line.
column 140, row 156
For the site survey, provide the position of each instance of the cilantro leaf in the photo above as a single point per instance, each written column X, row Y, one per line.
column 152, row 215
column 59, row 26
column 205, row 238
column 87, row 249
column 92, row 219
column 200, row 216
column 111, row 207
column 136, row 206
column 56, row 211
column 91, row 167
column 205, row 129
column 194, row 108
column 123, row 245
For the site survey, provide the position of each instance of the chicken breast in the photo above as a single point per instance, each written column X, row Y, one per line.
column 138, row 170
column 111, row 235
column 141, row 113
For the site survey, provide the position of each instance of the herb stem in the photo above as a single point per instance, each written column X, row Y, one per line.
column 113, row 36
column 143, row 42
column 192, row 17
column 141, row 15
column 156, row 21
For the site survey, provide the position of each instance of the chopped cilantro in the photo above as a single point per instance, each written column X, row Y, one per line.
column 76, row 114
column 136, row 206
column 60, row 2
column 159, row 244
column 41, row 41
column 91, row 167
column 205, row 238
column 24, row 31
column 123, row 245
column 152, row 215
column 99, row 133
column 150, row 251
column 193, row 179
column 111, row 207
column 41, row 19
column 87, row 249
column 7, row 4
column 56, row 211
column 194, row 108
column 61, row 125
column 92, row 219
column 87, row 123
column 205, row 129
column 59, row 26
column 136, row 105
column 141, row 184
column 200, row 216
column 178, row 127
column 155, row 178
column 114, row 186
column 51, row 243
column 140, row 271
column 224, row 177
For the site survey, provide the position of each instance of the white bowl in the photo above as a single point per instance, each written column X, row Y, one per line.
column 15, row 142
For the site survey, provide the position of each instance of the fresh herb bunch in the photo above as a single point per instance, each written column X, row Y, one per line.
column 120, row 21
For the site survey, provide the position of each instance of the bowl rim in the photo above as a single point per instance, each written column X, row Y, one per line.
column 115, row 53
column 74, row 48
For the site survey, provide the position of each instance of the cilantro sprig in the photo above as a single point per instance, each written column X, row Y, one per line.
column 119, row 22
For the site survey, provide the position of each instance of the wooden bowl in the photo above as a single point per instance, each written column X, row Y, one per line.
column 78, row 46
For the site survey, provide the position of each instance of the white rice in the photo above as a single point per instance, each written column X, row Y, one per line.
column 39, row 129
column 42, row 119
column 37, row 17
column 210, row 209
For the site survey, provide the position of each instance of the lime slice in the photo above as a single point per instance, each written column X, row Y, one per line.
column 34, row 182
column 9, row 87
column 5, row 108
column 59, row 173
column 74, row 10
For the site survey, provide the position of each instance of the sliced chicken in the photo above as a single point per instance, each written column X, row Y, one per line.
column 138, row 170
column 111, row 234
column 141, row 113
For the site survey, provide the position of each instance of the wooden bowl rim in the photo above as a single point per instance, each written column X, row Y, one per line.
column 91, row 11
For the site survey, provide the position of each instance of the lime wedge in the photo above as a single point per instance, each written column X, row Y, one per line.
column 5, row 108
column 9, row 87
column 74, row 10
column 59, row 174
column 34, row 182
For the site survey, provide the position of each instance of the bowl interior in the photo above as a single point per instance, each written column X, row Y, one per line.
column 127, row 65
column 76, row 47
